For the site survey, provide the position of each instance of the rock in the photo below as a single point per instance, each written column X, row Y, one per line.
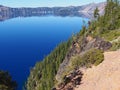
column 101, row 44
column 87, row 44
column 70, row 81
column 97, row 43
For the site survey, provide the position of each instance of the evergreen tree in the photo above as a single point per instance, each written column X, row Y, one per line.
column 96, row 13
column 6, row 82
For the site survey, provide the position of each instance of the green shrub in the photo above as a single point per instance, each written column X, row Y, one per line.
column 110, row 35
column 6, row 82
column 115, row 46
column 91, row 57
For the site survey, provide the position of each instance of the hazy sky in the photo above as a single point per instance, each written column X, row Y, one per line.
column 48, row 3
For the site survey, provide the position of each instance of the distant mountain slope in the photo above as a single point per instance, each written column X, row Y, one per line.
column 81, row 11
column 91, row 7
column 84, row 8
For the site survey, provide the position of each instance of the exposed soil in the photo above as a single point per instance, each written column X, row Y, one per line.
column 105, row 76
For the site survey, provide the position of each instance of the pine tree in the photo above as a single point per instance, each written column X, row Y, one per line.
column 96, row 13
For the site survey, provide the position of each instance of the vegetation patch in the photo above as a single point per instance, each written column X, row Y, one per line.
column 115, row 45
column 6, row 82
column 91, row 57
column 42, row 76
column 110, row 35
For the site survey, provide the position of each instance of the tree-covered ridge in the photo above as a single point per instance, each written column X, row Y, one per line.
column 109, row 21
column 6, row 82
column 42, row 76
column 106, row 27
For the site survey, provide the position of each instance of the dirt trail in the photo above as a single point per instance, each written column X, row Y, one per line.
column 105, row 76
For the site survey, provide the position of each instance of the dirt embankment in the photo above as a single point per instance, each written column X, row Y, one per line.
column 105, row 76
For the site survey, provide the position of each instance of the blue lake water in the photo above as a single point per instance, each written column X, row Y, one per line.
column 25, row 41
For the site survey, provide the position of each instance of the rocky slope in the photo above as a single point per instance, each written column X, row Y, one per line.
column 86, row 44
column 91, row 7
column 105, row 76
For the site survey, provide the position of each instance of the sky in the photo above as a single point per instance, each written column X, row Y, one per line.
column 46, row 3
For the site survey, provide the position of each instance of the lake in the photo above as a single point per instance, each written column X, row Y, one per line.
column 25, row 41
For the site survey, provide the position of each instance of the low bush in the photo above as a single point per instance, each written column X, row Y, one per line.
column 91, row 57
column 110, row 35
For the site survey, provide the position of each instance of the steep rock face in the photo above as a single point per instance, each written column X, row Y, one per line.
column 105, row 76
column 73, row 51
column 87, row 44
column 97, row 43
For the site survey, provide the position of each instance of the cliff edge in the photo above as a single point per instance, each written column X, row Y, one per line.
column 105, row 76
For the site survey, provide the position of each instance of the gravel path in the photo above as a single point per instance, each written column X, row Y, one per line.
column 105, row 76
